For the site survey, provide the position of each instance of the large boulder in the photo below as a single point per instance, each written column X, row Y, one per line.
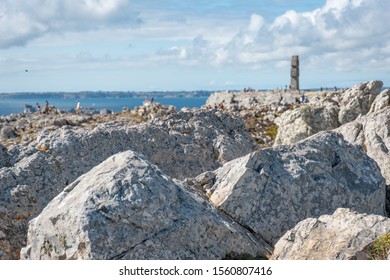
column 25, row 189
column 126, row 208
column 271, row 190
column 344, row 235
column 358, row 100
column 300, row 123
column 327, row 112
column 182, row 145
column 3, row 156
column 258, row 109
column 7, row 132
column 382, row 101
column 372, row 134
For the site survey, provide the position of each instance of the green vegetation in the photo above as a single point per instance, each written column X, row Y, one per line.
column 272, row 131
column 381, row 248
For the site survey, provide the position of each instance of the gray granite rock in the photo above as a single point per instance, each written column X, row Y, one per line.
column 358, row 100
column 126, row 208
column 7, row 132
column 344, row 235
column 372, row 134
column 271, row 190
column 25, row 190
column 3, row 156
column 382, row 101
column 327, row 112
column 182, row 145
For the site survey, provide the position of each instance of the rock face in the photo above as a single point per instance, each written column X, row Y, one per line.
column 183, row 145
column 126, row 208
column 3, row 156
column 304, row 121
column 382, row 101
column 358, row 100
column 372, row 133
column 233, row 101
column 7, row 132
column 327, row 112
column 271, row 190
column 345, row 235
column 257, row 109
column 25, row 189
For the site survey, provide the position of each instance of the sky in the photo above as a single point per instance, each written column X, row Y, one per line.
column 171, row 45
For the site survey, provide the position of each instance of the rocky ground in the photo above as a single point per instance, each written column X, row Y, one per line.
column 23, row 128
column 258, row 109
column 250, row 175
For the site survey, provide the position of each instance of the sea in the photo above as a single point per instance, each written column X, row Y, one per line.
column 16, row 105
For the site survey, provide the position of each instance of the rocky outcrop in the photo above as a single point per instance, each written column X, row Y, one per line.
column 126, row 208
column 345, row 235
column 25, row 191
column 382, row 101
column 271, row 190
column 23, row 127
column 152, row 110
column 307, row 120
column 258, row 109
column 358, row 100
column 3, row 156
column 182, row 145
column 7, row 132
column 238, row 101
column 327, row 112
column 372, row 134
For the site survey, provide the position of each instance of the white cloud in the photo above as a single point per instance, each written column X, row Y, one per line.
column 256, row 23
column 174, row 52
column 353, row 31
column 342, row 35
column 22, row 21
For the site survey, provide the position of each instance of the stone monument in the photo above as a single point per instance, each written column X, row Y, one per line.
column 294, row 72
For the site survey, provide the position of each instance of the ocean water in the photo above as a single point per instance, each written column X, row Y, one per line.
column 9, row 105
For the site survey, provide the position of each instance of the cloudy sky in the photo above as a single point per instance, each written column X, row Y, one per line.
column 75, row 45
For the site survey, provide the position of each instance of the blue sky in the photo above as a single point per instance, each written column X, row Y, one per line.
column 110, row 45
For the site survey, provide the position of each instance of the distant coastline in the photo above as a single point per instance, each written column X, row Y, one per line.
column 106, row 94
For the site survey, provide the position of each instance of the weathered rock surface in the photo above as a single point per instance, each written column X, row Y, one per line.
column 372, row 133
column 25, row 190
column 327, row 112
column 358, row 100
column 258, row 109
column 271, row 190
column 126, row 208
column 382, row 101
column 3, row 156
column 23, row 127
column 7, row 132
column 234, row 101
column 345, row 235
column 182, row 145
column 152, row 110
